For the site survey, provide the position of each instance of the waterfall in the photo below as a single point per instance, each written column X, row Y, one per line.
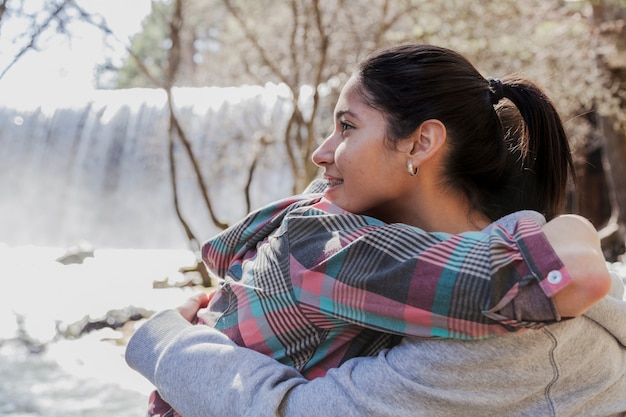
column 94, row 167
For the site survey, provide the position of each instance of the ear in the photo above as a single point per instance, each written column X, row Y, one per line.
column 427, row 140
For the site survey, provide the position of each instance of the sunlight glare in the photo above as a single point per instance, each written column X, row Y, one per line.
column 67, row 66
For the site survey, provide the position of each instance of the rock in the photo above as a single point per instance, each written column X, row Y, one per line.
column 76, row 254
column 113, row 319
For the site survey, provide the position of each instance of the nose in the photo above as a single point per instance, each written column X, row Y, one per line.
column 325, row 153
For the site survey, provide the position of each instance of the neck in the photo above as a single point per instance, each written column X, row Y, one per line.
column 435, row 210
column 453, row 220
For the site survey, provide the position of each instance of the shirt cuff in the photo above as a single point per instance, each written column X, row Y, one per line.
column 529, row 303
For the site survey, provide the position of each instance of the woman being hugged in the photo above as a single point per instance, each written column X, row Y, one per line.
column 421, row 140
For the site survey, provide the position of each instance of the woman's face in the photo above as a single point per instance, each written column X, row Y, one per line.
column 365, row 174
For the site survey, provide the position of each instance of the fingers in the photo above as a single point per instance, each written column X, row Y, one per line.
column 190, row 308
column 203, row 311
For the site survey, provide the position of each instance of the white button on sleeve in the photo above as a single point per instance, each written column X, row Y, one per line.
column 554, row 277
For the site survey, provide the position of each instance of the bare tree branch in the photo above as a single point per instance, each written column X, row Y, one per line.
column 143, row 68
column 176, row 24
column 173, row 175
column 252, row 38
column 36, row 34
column 173, row 56
column 196, row 166
column 259, row 144
column 173, row 63
column 295, row 67
column 3, row 8
column 322, row 62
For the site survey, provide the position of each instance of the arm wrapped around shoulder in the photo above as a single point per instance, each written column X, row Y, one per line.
column 577, row 244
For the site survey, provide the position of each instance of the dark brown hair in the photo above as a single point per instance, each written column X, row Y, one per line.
column 504, row 158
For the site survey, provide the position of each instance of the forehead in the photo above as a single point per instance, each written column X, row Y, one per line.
column 351, row 100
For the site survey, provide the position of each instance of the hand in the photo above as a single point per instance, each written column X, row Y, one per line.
column 189, row 309
column 576, row 243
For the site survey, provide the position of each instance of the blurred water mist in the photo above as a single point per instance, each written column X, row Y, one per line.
column 95, row 167
column 91, row 172
column 46, row 374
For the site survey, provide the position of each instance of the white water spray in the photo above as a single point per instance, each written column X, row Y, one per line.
column 95, row 167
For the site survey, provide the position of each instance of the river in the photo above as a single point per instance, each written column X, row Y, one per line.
column 95, row 166
column 54, row 376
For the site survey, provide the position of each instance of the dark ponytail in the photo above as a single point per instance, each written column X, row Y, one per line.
column 506, row 158
column 539, row 159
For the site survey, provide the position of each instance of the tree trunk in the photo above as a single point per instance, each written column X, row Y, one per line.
column 609, row 19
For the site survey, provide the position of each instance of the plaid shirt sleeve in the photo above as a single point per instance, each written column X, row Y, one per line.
column 397, row 278
column 400, row 279
column 234, row 243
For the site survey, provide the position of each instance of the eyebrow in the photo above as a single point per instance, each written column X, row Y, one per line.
column 340, row 113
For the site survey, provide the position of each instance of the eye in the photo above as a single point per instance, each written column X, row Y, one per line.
column 345, row 127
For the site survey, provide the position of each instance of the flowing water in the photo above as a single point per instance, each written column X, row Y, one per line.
column 94, row 168
column 43, row 374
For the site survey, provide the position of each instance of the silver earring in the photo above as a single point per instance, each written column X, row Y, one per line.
column 412, row 171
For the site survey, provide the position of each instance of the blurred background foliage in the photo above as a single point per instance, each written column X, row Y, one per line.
column 575, row 49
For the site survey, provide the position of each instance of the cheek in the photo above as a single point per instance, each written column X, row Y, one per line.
column 353, row 157
column 343, row 158
column 354, row 167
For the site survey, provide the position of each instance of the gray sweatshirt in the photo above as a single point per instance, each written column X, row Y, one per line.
column 572, row 368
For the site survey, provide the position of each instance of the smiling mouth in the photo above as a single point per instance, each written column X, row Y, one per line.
column 332, row 183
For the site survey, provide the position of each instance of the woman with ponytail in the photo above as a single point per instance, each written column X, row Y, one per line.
column 422, row 143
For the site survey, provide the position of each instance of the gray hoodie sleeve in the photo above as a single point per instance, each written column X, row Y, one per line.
column 201, row 373
column 192, row 363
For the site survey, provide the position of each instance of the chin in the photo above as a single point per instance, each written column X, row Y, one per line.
column 339, row 202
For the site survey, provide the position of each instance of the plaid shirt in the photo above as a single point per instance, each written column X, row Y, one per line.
column 312, row 285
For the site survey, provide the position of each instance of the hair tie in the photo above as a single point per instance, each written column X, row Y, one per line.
column 496, row 90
